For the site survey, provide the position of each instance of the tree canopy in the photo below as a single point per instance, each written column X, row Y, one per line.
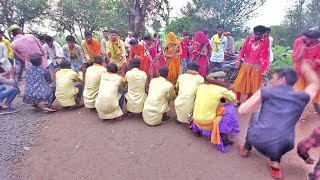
column 207, row 14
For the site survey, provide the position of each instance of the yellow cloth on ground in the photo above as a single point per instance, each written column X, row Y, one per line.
column 184, row 103
column 215, row 133
column 107, row 102
column 301, row 85
column 136, row 94
column 249, row 79
column 207, row 101
column 118, row 52
column 92, row 83
column 10, row 51
column 161, row 92
column 217, row 42
column 65, row 90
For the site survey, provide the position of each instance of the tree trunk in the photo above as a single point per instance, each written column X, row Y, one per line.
column 137, row 17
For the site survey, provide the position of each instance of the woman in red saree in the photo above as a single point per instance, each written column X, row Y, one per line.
column 153, row 51
column 201, row 51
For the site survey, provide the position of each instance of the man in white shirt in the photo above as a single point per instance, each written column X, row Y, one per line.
column 4, row 61
column 267, row 34
column 103, row 43
column 53, row 53
column 127, row 42
column 219, row 45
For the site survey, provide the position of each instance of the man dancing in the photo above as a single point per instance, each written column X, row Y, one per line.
column 272, row 130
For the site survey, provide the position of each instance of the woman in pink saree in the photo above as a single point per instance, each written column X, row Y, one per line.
column 201, row 51
column 154, row 52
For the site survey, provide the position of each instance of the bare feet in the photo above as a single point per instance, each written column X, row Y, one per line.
column 242, row 151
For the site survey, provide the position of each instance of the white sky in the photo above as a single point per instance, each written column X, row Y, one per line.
column 271, row 13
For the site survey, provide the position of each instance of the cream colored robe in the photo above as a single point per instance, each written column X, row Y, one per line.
column 184, row 103
column 92, row 82
column 107, row 102
column 65, row 90
column 136, row 94
column 161, row 92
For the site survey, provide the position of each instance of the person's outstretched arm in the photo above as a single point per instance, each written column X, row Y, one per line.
column 312, row 80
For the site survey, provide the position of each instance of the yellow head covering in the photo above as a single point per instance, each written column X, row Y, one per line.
column 12, row 27
column 172, row 38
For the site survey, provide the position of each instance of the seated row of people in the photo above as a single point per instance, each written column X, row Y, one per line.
column 208, row 100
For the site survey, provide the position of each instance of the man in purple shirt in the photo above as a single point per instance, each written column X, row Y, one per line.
column 26, row 44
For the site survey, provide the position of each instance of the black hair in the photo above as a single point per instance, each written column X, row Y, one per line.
column 112, row 67
column 65, row 64
column 135, row 63
column 1, row 32
column 312, row 33
column 113, row 31
column 268, row 29
column 288, row 73
column 164, row 71
column 16, row 32
column 186, row 33
column 70, row 38
column 147, row 38
column 35, row 59
column 260, row 28
column 105, row 31
column 194, row 66
column 155, row 35
column 220, row 26
column 98, row 60
column 48, row 38
column 41, row 37
column 87, row 33
column 133, row 42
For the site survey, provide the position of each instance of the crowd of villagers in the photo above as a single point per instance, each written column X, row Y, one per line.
column 141, row 76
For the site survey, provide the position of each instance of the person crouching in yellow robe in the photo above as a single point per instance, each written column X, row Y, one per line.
column 187, row 84
column 136, row 94
column 161, row 92
column 92, row 82
column 110, row 97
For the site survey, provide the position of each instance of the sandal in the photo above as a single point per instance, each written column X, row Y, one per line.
column 275, row 171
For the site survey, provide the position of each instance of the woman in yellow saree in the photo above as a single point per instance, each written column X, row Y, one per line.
column 172, row 52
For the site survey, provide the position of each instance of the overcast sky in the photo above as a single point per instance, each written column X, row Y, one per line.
column 272, row 12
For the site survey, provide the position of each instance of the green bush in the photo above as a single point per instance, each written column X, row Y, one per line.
column 282, row 57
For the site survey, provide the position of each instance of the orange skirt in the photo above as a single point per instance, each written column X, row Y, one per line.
column 249, row 79
column 174, row 70
column 144, row 66
column 301, row 84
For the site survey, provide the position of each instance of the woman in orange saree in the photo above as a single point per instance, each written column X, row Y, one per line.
column 172, row 52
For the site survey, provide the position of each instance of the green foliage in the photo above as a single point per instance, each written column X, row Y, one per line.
column 282, row 58
column 302, row 15
column 23, row 11
column 238, row 44
column 205, row 15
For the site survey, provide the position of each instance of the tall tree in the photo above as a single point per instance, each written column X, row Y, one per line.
column 89, row 15
column 141, row 11
column 206, row 14
column 23, row 11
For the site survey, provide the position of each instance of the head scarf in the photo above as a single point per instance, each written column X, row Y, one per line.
column 172, row 38
column 12, row 27
column 203, row 40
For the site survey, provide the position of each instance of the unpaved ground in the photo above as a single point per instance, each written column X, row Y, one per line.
column 76, row 145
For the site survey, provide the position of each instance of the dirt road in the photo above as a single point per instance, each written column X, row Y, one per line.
column 76, row 145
